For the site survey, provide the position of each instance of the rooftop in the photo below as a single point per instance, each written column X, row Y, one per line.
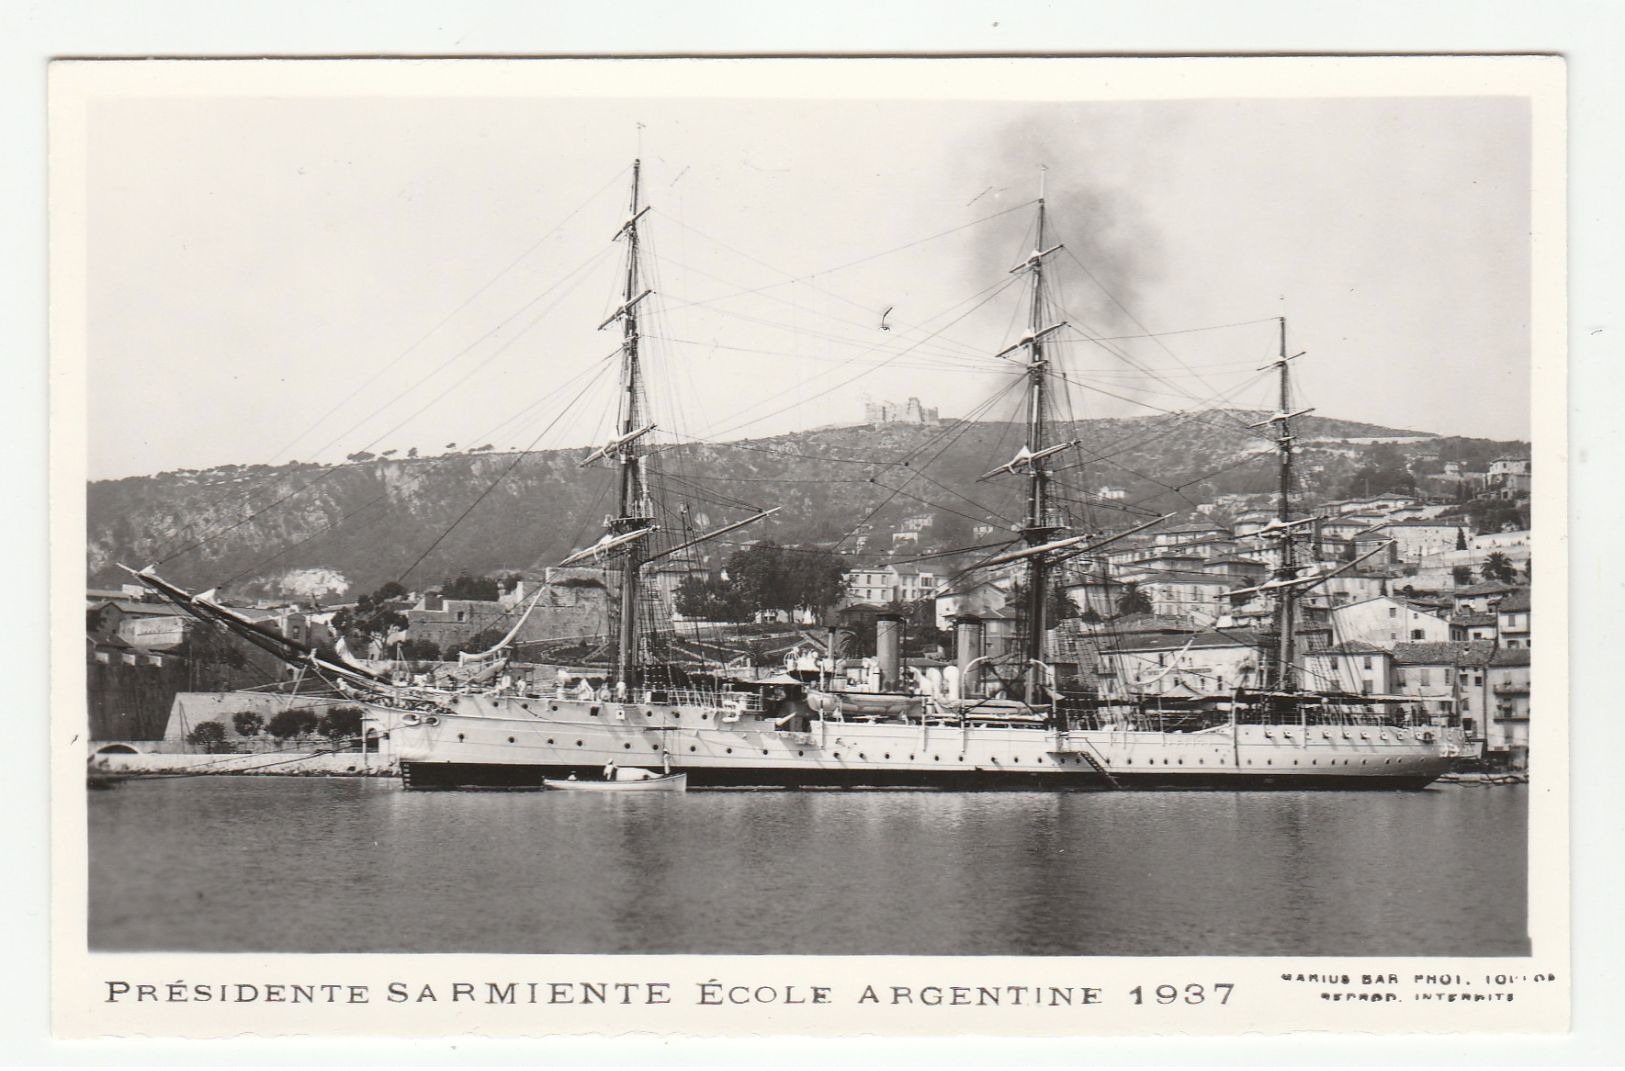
column 1516, row 602
column 1449, row 653
column 1511, row 656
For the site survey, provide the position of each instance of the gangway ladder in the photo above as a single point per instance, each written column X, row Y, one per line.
column 1087, row 751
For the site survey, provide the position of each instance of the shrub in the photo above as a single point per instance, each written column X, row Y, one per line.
column 290, row 723
column 247, row 723
column 208, row 735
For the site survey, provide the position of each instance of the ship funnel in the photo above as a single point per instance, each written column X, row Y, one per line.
column 968, row 648
column 889, row 649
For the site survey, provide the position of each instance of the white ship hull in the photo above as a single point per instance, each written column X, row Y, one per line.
column 509, row 741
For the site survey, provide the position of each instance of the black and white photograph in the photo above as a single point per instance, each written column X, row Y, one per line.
column 599, row 514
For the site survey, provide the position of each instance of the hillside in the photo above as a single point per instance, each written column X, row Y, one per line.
column 301, row 529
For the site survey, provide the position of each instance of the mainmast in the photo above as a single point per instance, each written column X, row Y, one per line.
column 1040, row 525
column 1287, row 570
column 635, row 512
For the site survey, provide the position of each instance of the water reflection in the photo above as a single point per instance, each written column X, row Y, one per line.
column 349, row 865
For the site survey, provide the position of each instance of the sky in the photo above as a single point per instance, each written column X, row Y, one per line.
column 295, row 278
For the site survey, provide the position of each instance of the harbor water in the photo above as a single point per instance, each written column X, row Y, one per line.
column 293, row 864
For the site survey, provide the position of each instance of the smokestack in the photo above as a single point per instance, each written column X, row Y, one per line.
column 968, row 647
column 889, row 649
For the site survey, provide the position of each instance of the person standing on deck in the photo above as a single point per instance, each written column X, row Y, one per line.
column 609, row 770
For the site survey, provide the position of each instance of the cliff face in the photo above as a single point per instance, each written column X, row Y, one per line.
column 302, row 529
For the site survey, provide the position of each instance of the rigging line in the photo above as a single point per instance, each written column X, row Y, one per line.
column 951, row 434
column 1124, row 308
column 1135, row 440
column 918, row 345
column 935, row 363
column 249, row 492
column 990, row 294
column 257, row 566
column 465, row 304
column 789, row 278
column 1175, row 390
column 1181, row 331
column 218, row 532
column 492, row 486
column 965, row 349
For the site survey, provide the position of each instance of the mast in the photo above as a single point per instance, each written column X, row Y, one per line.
column 634, row 509
column 1286, row 603
column 1038, row 527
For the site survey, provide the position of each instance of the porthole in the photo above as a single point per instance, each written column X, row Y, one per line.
column 459, row 736
column 861, row 755
column 627, row 746
column 800, row 753
column 510, row 739
column 911, row 758
column 593, row 711
column 578, row 743
column 691, row 747
column 730, row 751
column 550, row 740
column 837, row 754
column 936, row 758
column 1269, row 762
column 703, row 717
column 764, row 751
column 1181, row 762
column 888, row 754
column 553, row 706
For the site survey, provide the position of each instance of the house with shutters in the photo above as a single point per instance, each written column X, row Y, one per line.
column 1449, row 678
column 1388, row 620
column 1512, row 620
column 1509, row 692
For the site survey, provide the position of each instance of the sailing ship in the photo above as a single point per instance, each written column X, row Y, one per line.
column 953, row 731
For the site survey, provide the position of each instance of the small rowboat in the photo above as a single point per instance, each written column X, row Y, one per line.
column 676, row 782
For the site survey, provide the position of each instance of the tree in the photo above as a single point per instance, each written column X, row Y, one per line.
column 1498, row 569
column 208, row 735
column 420, row 651
column 1461, row 575
column 706, row 599
column 340, row 723
column 1461, row 539
column 286, row 724
column 247, row 723
column 1133, row 600
column 1059, row 607
column 473, row 588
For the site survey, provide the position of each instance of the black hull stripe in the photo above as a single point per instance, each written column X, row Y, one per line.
column 458, row 775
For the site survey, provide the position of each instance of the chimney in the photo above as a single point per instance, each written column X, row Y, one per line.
column 889, row 649
column 968, row 645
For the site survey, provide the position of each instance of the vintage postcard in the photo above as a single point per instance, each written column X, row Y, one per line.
column 823, row 547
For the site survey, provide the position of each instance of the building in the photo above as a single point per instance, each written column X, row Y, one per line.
column 1509, row 691
column 1351, row 666
column 1480, row 598
column 911, row 412
column 1472, row 626
column 1185, row 664
column 883, row 584
column 572, row 603
column 1386, row 621
column 1415, row 540
column 1448, row 678
column 1512, row 620
column 1509, row 478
